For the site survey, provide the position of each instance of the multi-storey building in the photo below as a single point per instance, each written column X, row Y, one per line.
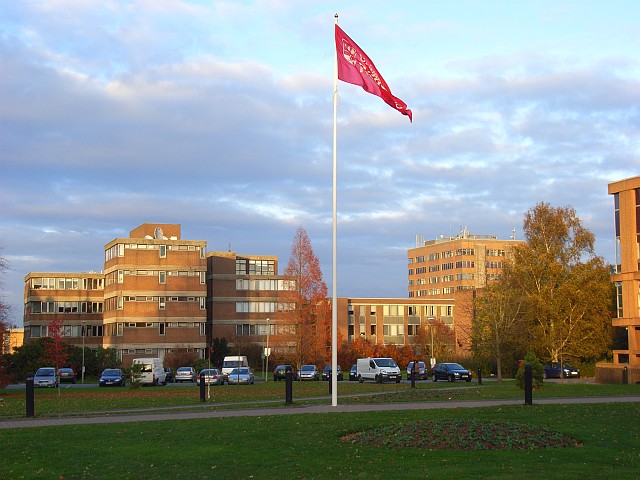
column 447, row 265
column 155, row 293
column 247, row 297
column 393, row 321
column 626, row 199
column 77, row 299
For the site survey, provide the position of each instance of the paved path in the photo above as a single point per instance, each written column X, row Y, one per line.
column 158, row 415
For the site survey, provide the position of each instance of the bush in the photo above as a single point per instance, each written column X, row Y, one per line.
column 537, row 371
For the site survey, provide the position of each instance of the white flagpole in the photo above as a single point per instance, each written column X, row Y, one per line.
column 334, row 279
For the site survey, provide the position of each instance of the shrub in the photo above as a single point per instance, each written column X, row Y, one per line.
column 537, row 371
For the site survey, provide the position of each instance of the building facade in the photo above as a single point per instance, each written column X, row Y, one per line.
column 155, row 293
column 446, row 266
column 626, row 199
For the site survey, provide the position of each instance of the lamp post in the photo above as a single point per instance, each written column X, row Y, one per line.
column 266, row 353
column 83, row 327
column 431, row 321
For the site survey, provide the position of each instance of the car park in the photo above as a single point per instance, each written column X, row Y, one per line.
column 45, row 377
column 186, row 374
column 326, row 373
column 280, row 372
column 308, row 372
column 210, row 376
column 450, row 372
column 66, row 375
column 353, row 373
column 421, row 371
column 112, row 377
column 241, row 375
column 560, row 370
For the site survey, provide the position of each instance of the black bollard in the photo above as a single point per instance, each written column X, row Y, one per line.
column 203, row 389
column 30, row 400
column 288, row 385
column 528, row 384
column 480, row 376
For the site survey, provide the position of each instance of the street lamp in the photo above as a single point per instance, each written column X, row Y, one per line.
column 83, row 327
column 266, row 353
column 431, row 322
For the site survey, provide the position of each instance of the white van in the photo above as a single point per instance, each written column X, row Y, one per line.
column 151, row 371
column 229, row 363
column 378, row 370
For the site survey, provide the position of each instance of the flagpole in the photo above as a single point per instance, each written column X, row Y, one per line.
column 334, row 279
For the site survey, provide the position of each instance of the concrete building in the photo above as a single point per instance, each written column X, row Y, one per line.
column 75, row 298
column 626, row 200
column 155, row 293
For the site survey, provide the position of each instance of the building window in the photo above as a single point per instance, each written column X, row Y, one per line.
column 161, row 328
column 163, row 251
column 162, row 277
column 162, row 303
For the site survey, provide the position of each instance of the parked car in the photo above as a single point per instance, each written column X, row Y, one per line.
column 210, row 376
column 326, row 373
column 560, row 370
column 241, row 375
column 112, row 377
column 308, row 372
column 353, row 373
column 186, row 374
column 450, row 372
column 421, row 373
column 280, row 372
column 66, row 375
column 168, row 375
column 45, row 377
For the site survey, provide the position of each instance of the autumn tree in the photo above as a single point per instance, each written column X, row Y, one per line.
column 4, row 327
column 435, row 334
column 497, row 327
column 309, row 312
column 55, row 349
column 565, row 288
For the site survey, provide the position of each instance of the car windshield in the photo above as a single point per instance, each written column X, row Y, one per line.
column 307, row 368
column 239, row 371
column 386, row 362
column 45, row 372
column 111, row 373
column 232, row 363
column 455, row 366
column 184, row 370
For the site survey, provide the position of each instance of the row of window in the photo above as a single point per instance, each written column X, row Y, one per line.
column 65, row 307
column 263, row 307
column 117, row 303
column 261, row 330
column 450, row 266
column 117, row 329
column 458, row 252
column 439, row 291
column 57, row 283
column 247, row 266
column 398, row 310
column 118, row 249
column 118, row 276
column 36, row 331
column 267, row 285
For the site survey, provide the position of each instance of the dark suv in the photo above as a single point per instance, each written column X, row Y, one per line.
column 280, row 372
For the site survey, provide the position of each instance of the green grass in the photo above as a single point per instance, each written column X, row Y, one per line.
column 312, row 446
column 307, row 446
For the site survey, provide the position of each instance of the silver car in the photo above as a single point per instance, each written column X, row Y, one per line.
column 45, row 377
column 242, row 375
column 308, row 372
column 186, row 374
column 210, row 376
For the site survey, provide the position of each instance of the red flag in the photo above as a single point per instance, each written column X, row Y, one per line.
column 354, row 66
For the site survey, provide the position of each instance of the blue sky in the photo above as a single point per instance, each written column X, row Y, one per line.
column 217, row 115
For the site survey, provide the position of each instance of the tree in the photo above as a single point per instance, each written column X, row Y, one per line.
column 497, row 322
column 435, row 333
column 565, row 288
column 308, row 312
column 5, row 325
column 55, row 349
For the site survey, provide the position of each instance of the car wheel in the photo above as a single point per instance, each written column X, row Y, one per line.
column 360, row 379
column 468, row 380
column 451, row 379
column 434, row 378
column 397, row 380
column 545, row 376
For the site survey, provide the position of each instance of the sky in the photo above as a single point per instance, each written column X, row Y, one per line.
column 218, row 115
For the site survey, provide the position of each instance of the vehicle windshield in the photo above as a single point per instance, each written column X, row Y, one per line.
column 232, row 363
column 111, row 373
column 45, row 372
column 183, row 369
column 239, row 371
column 455, row 366
column 307, row 368
column 385, row 362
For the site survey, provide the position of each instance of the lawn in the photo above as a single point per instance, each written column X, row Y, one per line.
column 539, row 441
